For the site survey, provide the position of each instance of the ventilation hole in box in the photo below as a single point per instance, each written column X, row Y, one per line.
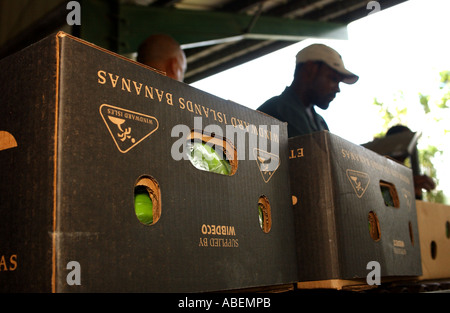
column 433, row 248
column 447, row 229
column 264, row 214
column 374, row 226
column 147, row 203
column 411, row 233
column 294, row 200
column 390, row 195
column 211, row 153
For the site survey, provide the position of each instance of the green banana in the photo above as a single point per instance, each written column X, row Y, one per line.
column 261, row 216
column 204, row 157
column 143, row 205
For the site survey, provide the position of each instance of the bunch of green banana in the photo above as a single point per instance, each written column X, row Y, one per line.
column 204, row 157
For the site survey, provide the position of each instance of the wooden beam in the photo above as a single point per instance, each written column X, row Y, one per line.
column 198, row 28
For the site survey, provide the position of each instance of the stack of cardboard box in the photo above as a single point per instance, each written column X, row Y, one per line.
column 355, row 214
column 82, row 129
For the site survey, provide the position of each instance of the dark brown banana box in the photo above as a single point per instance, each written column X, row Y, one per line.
column 354, row 211
column 81, row 128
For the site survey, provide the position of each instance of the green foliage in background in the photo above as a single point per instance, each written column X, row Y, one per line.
column 430, row 112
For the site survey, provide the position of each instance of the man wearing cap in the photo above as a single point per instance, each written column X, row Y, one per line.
column 318, row 72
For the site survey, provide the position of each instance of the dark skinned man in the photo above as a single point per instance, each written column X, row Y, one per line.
column 319, row 70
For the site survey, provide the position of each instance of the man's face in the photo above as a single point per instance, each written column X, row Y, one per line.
column 325, row 85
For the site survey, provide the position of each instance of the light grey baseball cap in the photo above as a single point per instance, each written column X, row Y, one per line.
column 320, row 52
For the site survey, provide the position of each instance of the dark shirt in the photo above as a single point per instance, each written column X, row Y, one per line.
column 287, row 107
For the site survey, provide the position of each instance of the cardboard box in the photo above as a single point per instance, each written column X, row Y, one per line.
column 81, row 129
column 343, row 221
column 434, row 231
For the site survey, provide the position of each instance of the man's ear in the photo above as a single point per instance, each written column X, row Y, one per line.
column 173, row 69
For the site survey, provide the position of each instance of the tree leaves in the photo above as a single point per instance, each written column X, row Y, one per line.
column 433, row 123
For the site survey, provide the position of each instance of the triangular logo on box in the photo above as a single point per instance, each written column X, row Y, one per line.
column 267, row 162
column 359, row 181
column 127, row 128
